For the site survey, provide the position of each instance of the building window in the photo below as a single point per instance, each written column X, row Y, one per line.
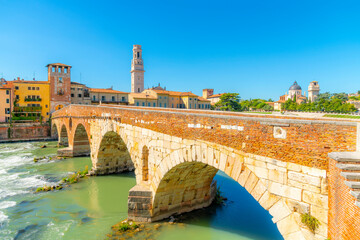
column 138, row 89
column 37, row 88
column 164, row 97
column 46, row 106
column 172, row 105
column 53, row 69
column 94, row 98
column 7, row 100
column 103, row 98
column 177, row 105
column 148, row 104
column 16, row 87
column 33, row 88
column 65, row 70
column 79, row 95
column 165, row 105
column 138, row 54
column 59, row 69
column 47, row 113
column 17, row 96
column 72, row 89
column 7, row 92
column 159, row 104
column 29, row 88
column 143, row 104
column 190, row 105
column 137, row 103
column 113, row 98
column 154, row 104
column 60, row 80
column 123, row 99
column 72, row 95
column 160, row 97
column 172, row 98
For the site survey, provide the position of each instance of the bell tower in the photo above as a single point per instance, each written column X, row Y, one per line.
column 313, row 90
column 60, row 81
column 137, row 70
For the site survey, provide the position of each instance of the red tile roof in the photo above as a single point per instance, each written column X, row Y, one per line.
column 102, row 90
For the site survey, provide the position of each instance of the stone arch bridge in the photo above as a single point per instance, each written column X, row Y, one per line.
column 281, row 161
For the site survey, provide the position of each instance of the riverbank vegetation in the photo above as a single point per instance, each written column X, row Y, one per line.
column 232, row 102
column 73, row 178
column 326, row 102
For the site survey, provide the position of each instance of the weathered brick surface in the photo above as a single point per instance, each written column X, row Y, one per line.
column 344, row 215
column 24, row 131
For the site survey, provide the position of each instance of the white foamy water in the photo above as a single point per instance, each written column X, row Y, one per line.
column 13, row 182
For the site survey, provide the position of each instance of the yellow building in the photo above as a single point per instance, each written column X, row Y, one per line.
column 159, row 97
column 32, row 100
column 108, row 96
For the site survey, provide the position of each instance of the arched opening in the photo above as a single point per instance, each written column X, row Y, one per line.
column 81, row 146
column 63, row 141
column 54, row 132
column 190, row 186
column 113, row 155
column 145, row 163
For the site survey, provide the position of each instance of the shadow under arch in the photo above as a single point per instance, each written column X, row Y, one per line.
column 63, row 140
column 113, row 155
column 54, row 131
column 81, row 145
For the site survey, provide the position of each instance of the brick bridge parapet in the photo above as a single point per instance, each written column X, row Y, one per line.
column 281, row 161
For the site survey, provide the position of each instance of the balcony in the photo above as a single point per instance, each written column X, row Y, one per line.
column 28, row 99
column 27, row 109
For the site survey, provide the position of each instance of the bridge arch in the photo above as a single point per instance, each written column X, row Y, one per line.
column 112, row 155
column 185, row 183
column 81, row 141
column 64, row 139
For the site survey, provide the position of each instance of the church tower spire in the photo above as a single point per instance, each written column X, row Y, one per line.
column 137, row 70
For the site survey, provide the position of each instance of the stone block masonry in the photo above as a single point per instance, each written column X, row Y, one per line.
column 282, row 162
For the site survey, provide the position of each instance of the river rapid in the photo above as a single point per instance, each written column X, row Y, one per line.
column 88, row 209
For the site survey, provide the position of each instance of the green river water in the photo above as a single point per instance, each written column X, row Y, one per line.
column 88, row 209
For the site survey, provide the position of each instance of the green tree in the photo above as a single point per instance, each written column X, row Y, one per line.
column 229, row 102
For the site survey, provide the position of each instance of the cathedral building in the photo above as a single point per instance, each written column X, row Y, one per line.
column 295, row 92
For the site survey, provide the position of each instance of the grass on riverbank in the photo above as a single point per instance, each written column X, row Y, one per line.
column 341, row 116
column 74, row 178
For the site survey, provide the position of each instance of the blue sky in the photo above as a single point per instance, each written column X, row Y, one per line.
column 255, row 48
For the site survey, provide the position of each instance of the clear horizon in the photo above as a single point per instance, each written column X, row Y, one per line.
column 257, row 49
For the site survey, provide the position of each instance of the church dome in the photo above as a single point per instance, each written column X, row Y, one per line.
column 295, row 86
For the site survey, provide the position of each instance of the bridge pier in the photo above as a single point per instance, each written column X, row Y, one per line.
column 140, row 204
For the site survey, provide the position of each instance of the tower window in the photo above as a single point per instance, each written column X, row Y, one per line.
column 65, row 70
column 53, row 69
column 138, row 89
column 113, row 98
column 59, row 69
column 60, row 79
column 138, row 54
